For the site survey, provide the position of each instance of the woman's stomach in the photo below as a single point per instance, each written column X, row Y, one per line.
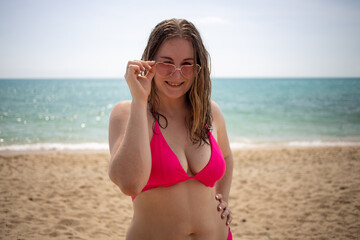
column 187, row 210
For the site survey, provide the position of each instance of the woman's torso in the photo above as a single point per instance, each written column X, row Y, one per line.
column 186, row 210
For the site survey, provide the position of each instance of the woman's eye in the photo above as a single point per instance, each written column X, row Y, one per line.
column 187, row 63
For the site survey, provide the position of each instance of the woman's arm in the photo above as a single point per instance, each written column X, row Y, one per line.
column 129, row 143
column 223, row 185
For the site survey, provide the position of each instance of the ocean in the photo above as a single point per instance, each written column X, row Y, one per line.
column 73, row 114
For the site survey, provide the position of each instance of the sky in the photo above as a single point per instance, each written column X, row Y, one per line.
column 245, row 38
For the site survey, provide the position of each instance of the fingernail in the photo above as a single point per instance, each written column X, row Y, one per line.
column 220, row 208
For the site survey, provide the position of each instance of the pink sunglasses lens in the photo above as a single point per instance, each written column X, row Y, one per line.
column 164, row 69
column 187, row 70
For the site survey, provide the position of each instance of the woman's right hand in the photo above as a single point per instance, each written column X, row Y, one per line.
column 139, row 84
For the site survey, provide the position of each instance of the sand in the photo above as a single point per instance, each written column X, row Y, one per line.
column 294, row 193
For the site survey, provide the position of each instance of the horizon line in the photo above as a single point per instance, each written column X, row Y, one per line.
column 215, row 77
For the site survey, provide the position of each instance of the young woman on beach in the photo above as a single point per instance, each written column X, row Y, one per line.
column 169, row 147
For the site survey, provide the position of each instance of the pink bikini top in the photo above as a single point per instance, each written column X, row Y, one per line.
column 166, row 169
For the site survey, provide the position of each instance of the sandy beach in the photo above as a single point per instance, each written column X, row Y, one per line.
column 293, row 193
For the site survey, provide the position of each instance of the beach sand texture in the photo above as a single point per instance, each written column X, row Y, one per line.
column 294, row 193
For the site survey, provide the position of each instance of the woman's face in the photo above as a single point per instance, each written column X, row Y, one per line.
column 177, row 51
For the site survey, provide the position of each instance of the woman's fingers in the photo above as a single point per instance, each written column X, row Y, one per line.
column 229, row 218
column 221, row 204
column 226, row 212
column 139, row 75
column 149, row 67
column 134, row 69
column 224, row 208
column 149, row 64
column 227, row 215
column 151, row 72
column 144, row 65
column 137, row 68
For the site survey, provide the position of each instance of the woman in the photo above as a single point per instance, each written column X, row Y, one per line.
column 169, row 147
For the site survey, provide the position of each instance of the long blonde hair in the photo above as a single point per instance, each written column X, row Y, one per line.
column 199, row 122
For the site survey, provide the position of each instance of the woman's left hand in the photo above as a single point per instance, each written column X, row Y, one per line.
column 224, row 209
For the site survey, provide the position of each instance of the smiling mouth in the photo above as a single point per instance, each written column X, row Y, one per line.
column 172, row 84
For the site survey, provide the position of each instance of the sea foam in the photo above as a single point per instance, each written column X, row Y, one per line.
column 57, row 147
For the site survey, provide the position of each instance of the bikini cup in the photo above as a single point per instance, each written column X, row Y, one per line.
column 166, row 169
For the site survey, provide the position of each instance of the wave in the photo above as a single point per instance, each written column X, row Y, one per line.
column 235, row 145
column 246, row 144
column 56, row 147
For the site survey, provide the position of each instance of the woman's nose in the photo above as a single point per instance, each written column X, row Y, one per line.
column 176, row 74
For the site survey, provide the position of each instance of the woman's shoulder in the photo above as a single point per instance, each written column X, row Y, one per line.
column 216, row 112
column 216, row 118
column 122, row 105
column 121, row 110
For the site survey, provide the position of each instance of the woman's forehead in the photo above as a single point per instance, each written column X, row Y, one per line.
column 176, row 48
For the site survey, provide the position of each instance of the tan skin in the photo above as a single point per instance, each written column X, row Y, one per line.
column 187, row 210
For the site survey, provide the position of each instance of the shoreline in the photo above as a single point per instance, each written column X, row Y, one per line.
column 51, row 151
column 91, row 147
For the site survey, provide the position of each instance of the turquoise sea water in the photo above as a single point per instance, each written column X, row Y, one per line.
column 74, row 113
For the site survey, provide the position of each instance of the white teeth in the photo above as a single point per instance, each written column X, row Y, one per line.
column 174, row 84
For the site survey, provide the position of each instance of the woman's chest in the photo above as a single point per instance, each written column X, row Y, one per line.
column 192, row 157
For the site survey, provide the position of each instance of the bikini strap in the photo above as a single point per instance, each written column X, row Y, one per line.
column 156, row 126
column 208, row 130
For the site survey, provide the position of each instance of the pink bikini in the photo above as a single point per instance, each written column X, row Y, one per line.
column 166, row 169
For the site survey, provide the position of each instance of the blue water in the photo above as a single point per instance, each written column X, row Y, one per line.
column 75, row 112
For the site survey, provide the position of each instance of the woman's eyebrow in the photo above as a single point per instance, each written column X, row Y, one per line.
column 166, row 57
column 169, row 58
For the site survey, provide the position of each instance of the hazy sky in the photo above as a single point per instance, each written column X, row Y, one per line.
column 249, row 38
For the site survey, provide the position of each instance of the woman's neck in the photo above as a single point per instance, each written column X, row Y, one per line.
column 173, row 108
